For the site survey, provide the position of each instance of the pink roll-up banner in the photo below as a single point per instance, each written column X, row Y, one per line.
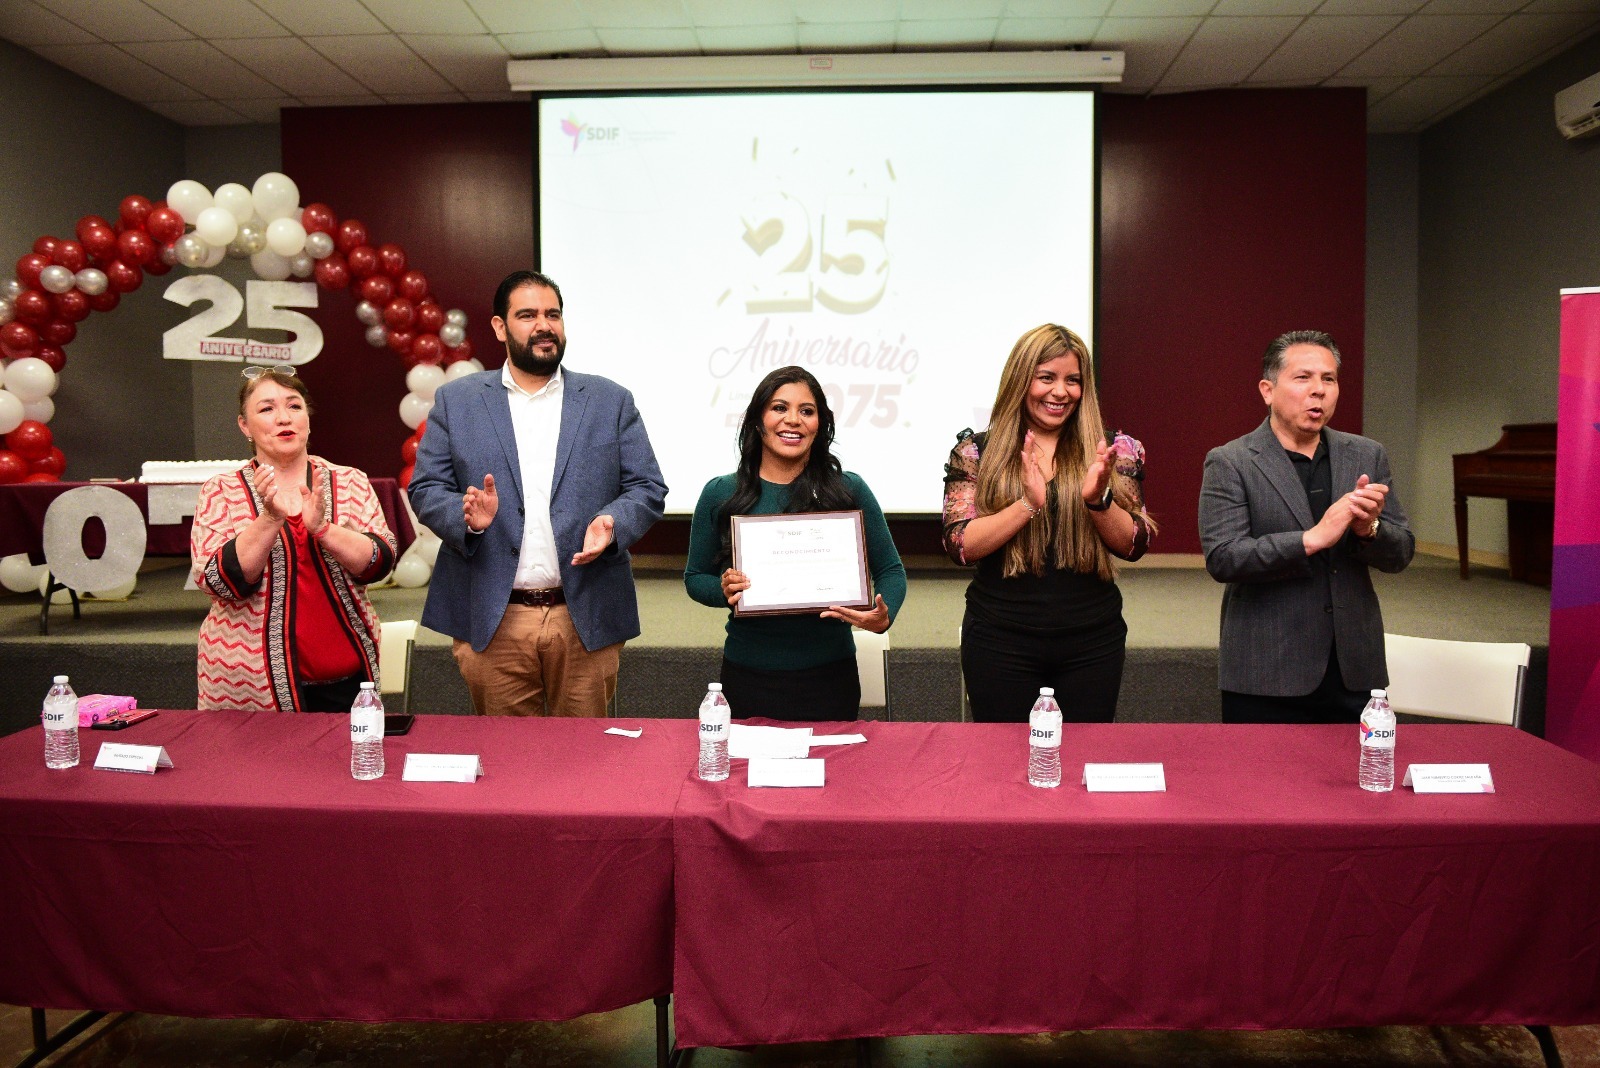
column 1572, row 710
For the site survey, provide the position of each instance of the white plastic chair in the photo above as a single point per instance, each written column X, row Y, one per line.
column 396, row 641
column 1480, row 682
column 872, row 665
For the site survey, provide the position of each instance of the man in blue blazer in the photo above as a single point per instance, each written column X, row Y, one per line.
column 537, row 480
column 1302, row 634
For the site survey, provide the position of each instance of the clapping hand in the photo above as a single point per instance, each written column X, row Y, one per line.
column 1033, row 476
column 273, row 502
column 1366, row 505
column 478, row 506
column 311, row 502
column 1098, row 476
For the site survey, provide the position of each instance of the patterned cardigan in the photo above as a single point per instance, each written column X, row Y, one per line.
column 246, row 650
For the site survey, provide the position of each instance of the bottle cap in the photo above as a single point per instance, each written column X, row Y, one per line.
column 715, row 687
column 60, row 679
column 1047, row 691
column 369, row 685
column 1380, row 693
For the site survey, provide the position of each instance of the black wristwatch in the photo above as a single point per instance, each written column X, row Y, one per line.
column 1102, row 504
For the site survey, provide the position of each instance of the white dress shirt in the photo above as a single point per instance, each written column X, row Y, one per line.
column 536, row 419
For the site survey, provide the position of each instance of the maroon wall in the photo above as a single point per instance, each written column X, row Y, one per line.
column 1226, row 218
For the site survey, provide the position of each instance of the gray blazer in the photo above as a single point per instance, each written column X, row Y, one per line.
column 604, row 466
column 1277, row 625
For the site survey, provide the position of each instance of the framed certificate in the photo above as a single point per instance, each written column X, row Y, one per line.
column 801, row 562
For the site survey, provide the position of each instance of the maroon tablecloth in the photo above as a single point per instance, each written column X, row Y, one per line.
column 22, row 509
column 927, row 889
column 256, row 878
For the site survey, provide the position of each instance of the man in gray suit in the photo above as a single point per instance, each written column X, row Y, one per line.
column 537, row 481
column 1302, row 635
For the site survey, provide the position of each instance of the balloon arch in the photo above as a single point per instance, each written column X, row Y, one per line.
column 61, row 282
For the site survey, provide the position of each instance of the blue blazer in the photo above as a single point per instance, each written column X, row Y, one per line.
column 604, row 466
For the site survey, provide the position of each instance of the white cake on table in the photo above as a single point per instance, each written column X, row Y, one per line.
column 184, row 472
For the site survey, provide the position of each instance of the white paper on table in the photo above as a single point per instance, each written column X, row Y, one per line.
column 777, row 771
column 1125, row 778
column 788, row 563
column 783, row 743
column 442, row 767
column 625, row 732
column 836, row 739
column 1449, row 779
column 169, row 503
column 120, row 756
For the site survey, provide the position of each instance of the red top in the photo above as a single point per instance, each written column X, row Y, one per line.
column 324, row 648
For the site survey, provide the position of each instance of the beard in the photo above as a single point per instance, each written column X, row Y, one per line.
column 523, row 358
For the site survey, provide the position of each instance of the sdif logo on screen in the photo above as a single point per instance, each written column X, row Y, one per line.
column 581, row 132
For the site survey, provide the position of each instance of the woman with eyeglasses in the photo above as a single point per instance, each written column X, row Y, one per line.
column 285, row 547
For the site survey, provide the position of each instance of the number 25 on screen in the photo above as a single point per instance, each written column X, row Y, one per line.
column 852, row 260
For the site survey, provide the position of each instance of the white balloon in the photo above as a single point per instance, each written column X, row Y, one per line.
column 8, row 311
column 368, row 313
column 319, row 245
column 414, row 409
column 286, row 237
column 377, row 335
column 116, row 593
column 54, row 279
column 302, row 265
column 236, row 199
column 189, row 198
column 214, row 255
column 30, row 379
column 276, row 196
column 12, row 288
column 62, row 596
column 424, row 379
column 191, row 250
column 40, row 411
column 217, row 226
column 412, row 572
column 457, row 316
column 459, row 369
column 427, row 550
column 92, row 280
column 269, row 266
column 19, row 576
column 452, row 334
column 12, row 413
column 477, row 364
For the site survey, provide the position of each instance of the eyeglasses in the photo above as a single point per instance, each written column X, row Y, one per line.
column 253, row 372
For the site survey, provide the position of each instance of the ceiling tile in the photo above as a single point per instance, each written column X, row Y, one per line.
column 823, row 12
column 1223, row 51
column 118, row 22
column 551, row 43
column 1418, row 43
column 828, row 37
column 113, row 68
column 648, row 41
column 1322, row 46
column 435, row 16
column 312, row 18
column 266, row 111
column 1377, row 88
column 345, row 100
column 1150, row 46
column 1265, row 7
column 950, row 10
column 198, row 64
column 470, row 63
column 635, row 14
column 529, row 16
column 220, row 18
column 313, row 74
column 381, row 62
column 955, row 35
column 1057, row 9
column 706, row 13
column 198, row 113
column 424, row 98
column 1040, row 31
column 1369, row 7
column 29, row 25
column 497, row 98
column 1514, row 42
column 1421, row 100
column 1470, row 7
column 1130, row 9
column 748, row 38
column 1557, row 7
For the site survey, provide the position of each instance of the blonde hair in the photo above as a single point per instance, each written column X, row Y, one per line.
column 1076, row 546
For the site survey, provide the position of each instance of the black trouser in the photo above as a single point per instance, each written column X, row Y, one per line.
column 336, row 696
column 826, row 692
column 1004, row 670
column 1330, row 702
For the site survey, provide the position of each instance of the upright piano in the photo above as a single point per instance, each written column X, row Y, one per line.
column 1520, row 468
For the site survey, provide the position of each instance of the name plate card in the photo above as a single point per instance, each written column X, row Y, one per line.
column 1449, row 779
column 1125, row 778
column 779, row 771
column 143, row 759
column 442, row 767
column 787, row 743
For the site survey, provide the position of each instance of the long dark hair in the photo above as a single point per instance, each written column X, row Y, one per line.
column 820, row 486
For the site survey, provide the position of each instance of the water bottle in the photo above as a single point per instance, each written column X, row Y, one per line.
column 1044, row 740
column 366, row 734
column 714, row 718
column 1377, row 744
column 60, row 725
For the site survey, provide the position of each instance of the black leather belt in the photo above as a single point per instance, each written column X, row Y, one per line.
column 539, row 598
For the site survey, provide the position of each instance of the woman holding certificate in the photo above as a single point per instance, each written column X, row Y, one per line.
column 1041, row 502
column 796, row 666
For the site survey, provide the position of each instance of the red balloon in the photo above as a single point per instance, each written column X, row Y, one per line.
column 124, row 277
column 52, row 355
column 137, row 247
column 377, row 289
column 413, row 284
column 90, row 222
column 461, row 352
column 46, row 246
column 100, row 242
column 400, row 341
column 53, row 463
column 408, row 450
column 31, row 440
column 13, row 468
column 18, row 340
column 28, row 268
column 428, row 349
column 399, row 313
column 392, row 259
column 33, row 307
column 157, row 266
column 430, row 317
column 135, row 210
column 351, row 234
column 405, row 475
column 60, row 332
column 317, row 217
column 70, row 254
column 71, row 306
column 363, row 261
column 104, row 302
column 41, row 476
column 164, row 224
column 332, row 272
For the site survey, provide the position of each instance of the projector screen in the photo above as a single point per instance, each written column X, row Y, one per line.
column 895, row 244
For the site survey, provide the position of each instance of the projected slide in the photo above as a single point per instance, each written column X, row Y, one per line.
column 894, row 244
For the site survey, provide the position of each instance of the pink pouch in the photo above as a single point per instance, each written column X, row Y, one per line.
column 94, row 707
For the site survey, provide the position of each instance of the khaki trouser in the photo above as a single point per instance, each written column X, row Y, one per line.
column 535, row 665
